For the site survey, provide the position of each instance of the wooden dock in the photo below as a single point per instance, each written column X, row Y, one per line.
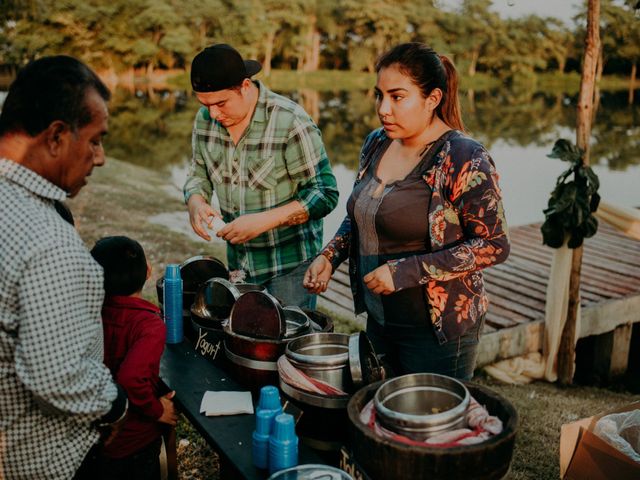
column 610, row 294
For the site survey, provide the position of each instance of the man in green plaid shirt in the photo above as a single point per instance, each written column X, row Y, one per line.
column 264, row 157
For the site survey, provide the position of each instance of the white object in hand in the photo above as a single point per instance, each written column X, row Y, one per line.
column 216, row 224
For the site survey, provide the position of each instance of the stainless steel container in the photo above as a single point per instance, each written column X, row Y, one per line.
column 311, row 472
column 257, row 333
column 323, row 356
column 421, row 405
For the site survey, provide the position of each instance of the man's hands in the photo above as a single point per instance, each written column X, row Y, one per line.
column 380, row 280
column 169, row 415
column 247, row 227
column 316, row 278
column 201, row 214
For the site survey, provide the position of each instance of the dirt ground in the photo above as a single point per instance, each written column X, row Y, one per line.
column 121, row 198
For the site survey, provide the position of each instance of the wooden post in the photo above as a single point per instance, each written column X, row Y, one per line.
column 566, row 351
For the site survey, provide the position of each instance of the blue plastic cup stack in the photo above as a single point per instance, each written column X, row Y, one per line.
column 172, row 303
column 283, row 444
column 268, row 408
column 260, row 439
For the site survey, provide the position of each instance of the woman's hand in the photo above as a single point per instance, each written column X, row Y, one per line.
column 317, row 277
column 380, row 280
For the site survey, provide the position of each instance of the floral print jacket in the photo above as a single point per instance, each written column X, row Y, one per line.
column 467, row 232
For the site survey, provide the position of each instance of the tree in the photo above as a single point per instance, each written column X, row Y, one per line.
column 478, row 29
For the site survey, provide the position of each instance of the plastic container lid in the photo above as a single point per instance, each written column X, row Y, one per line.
column 311, row 472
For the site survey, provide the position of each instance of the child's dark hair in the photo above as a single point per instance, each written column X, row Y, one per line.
column 124, row 264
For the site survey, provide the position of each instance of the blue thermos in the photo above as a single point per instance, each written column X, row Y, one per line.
column 172, row 303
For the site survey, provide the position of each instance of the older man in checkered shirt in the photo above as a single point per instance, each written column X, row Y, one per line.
column 54, row 389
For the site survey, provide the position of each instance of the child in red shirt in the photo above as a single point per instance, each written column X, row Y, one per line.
column 134, row 338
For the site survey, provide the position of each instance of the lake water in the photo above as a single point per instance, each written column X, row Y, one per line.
column 518, row 128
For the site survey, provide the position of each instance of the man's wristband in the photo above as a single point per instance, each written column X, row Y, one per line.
column 118, row 410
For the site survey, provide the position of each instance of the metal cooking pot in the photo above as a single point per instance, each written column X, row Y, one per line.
column 421, row 405
column 323, row 356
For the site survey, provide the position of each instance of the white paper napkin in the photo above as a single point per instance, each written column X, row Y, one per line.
column 226, row 403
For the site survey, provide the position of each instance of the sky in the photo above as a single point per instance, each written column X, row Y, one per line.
column 562, row 9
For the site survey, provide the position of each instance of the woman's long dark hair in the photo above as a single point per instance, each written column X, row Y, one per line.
column 428, row 70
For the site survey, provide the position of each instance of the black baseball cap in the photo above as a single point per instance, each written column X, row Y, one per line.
column 219, row 67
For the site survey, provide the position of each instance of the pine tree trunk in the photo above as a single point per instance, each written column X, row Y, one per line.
column 314, row 62
column 268, row 52
column 566, row 352
column 632, row 81
column 474, row 62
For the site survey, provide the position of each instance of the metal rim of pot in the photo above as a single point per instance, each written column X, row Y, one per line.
column 412, row 424
column 205, row 259
column 228, row 331
column 354, row 360
column 296, row 321
column 294, row 347
column 330, row 473
column 250, row 362
column 309, row 398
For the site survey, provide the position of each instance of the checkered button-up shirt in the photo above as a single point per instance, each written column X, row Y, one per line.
column 53, row 384
column 280, row 158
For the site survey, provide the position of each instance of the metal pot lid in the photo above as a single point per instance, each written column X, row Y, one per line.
column 364, row 365
column 258, row 315
column 215, row 299
column 197, row 270
column 297, row 322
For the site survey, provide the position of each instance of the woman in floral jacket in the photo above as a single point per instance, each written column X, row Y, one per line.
column 424, row 218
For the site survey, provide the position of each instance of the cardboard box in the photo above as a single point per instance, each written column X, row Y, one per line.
column 583, row 455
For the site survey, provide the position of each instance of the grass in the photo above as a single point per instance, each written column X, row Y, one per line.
column 121, row 197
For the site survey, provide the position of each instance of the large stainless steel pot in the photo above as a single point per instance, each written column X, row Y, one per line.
column 257, row 333
column 421, row 405
column 323, row 356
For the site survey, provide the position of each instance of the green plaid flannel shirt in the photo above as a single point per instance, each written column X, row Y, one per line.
column 280, row 158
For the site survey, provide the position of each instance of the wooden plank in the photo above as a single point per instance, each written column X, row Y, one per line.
column 498, row 321
column 528, row 337
column 606, row 316
column 505, row 290
column 486, row 328
column 607, row 244
column 600, row 258
column 620, row 350
column 510, row 342
column 607, row 281
column 513, row 309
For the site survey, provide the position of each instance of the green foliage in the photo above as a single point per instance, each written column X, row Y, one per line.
column 569, row 213
column 306, row 35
